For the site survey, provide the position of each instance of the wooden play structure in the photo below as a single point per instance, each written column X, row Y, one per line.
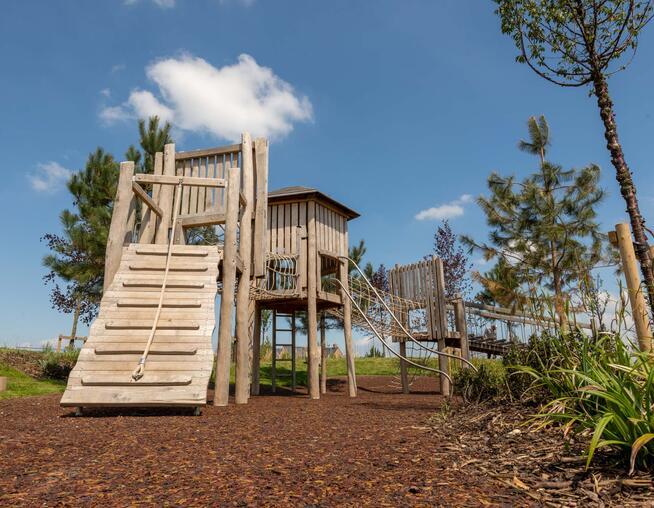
column 151, row 343
column 205, row 224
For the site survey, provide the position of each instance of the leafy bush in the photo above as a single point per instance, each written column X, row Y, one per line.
column 601, row 386
column 58, row 365
column 488, row 383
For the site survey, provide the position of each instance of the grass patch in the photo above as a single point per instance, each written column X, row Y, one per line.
column 20, row 384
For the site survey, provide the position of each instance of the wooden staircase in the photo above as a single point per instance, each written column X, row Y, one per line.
column 181, row 357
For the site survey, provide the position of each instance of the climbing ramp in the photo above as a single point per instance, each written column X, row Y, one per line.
column 180, row 357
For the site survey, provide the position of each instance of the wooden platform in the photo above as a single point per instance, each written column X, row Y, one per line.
column 181, row 357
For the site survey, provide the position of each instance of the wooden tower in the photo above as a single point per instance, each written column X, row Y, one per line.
column 307, row 245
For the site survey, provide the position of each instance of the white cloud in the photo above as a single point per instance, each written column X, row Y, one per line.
column 447, row 210
column 105, row 92
column 117, row 68
column 196, row 96
column 164, row 4
column 49, row 177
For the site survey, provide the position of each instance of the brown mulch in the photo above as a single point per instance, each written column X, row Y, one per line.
column 381, row 449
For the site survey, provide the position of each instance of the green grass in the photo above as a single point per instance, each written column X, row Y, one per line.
column 20, row 384
column 335, row 367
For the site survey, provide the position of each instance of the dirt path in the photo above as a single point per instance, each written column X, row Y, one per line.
column 275, row 451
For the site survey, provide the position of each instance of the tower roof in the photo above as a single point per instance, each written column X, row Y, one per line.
column 300, row 192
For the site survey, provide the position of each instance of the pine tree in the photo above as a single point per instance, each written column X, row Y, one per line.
column 77, row 256
column 545, row 225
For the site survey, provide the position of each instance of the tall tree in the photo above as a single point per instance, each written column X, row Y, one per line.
column 77, row 256
column 456, row 263
column 152, row 139
column 575, row 43
column 544, row 225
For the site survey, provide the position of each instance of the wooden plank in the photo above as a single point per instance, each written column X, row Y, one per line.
column 149, row 224
column 148, row 379
column 146, row 324
column 119, row 232
column 202, row 219
column 168, row 303
column 219, row 150
column 273, row 228
column 193, row 197
column 347, row 329
column 155, row 349
column 168, row 180
column 166, row 195
column 140, row 192
column 293, row 228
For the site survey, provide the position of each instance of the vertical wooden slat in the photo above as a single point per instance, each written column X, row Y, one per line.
column 312, row 318
column 287, row 229
column 273, row 228
column 149, row 227
column 294, row 225
column 186, row 190
column 166, row 195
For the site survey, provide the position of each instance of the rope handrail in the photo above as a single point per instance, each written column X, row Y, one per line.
column 381, row 338
column 392, row 314
column 139, row 371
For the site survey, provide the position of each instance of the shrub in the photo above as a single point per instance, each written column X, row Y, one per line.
column 58, row 365
column 488, row 383
column 602, row 386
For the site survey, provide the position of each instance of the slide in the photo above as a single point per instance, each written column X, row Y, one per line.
column 179, row 359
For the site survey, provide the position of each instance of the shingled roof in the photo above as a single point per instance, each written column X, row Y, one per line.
column 298, row 191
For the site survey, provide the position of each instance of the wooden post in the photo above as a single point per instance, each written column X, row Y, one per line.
column 119, row 234
column 396, row 289
column 438, row 307
column 166, row 195
column 347, row 329
column 149, row 221
column 242, row 379
column 223, row 360
column 273, row 358
column 461, row 327
column 312, row 295
column 323, row 354
column 634, row 287
column 256, row 351
column 261, row 212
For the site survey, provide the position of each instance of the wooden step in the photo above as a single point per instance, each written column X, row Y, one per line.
column 171, row 285
column 200, row 254
column 155, row 349
column 146, row 324
column 167, row 304
column 161, row 268
column 148, row 379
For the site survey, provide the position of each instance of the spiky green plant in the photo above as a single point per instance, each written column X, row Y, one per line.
column 604, row 386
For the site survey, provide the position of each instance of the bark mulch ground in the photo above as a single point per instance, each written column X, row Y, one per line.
column 381, row 449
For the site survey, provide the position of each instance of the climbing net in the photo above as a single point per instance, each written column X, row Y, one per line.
column 281, row 278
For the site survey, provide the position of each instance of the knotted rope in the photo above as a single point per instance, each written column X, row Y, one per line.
column 140, row 368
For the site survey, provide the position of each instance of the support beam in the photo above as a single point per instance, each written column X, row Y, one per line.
column 242, row 379
column 223, row 359
column 140, row 192
column 256, row 351
column 323, row 354
column 634, row 287
column 312, row 296
column 119, row 231
column 261, row 212
column 166, row 195
column 462, row 327
column 192, row 181
column 347, row 327
column 438, row 306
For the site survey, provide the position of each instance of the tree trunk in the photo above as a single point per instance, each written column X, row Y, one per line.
column 627, row 188
column 73, row 332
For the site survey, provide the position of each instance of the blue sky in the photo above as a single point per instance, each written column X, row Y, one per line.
column 392, row 107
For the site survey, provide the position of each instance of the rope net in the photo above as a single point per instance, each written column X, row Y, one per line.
column 281, row 279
